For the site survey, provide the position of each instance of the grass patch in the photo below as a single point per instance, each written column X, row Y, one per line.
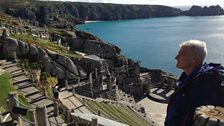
column 55, row 32
column 118, row 113
column 45, row 44
column 23, row 100
column 24, row 104
column 5, row 88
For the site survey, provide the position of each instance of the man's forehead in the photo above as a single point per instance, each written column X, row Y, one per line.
column 184, row 49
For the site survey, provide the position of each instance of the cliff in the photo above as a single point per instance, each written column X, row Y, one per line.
column 204, row 11
column 65, row 14
column 65, row 54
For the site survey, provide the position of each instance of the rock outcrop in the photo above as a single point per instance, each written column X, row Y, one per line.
column 55, row 64
column 204, row 11
column 90, row 44
column 10, row 46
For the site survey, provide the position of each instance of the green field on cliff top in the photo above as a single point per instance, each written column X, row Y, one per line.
column 45, row 44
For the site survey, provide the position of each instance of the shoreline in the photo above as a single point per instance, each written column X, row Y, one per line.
column 90, row 21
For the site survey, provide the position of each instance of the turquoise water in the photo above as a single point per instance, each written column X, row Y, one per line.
column 155, row 41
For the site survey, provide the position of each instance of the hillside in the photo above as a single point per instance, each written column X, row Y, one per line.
column 204, row 11
column 65, row 14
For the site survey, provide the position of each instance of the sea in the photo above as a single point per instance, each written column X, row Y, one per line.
column 155, row 41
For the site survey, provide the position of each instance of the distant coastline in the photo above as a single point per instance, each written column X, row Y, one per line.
column 64, row 15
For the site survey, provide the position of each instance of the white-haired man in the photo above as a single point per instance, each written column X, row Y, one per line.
column 196, row 86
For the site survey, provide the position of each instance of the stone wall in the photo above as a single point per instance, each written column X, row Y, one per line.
column 94, row 47
column 89, row 63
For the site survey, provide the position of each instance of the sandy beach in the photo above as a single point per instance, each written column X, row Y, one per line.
column 90, row 21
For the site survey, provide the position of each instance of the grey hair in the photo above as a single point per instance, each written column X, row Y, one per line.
column 197, row 48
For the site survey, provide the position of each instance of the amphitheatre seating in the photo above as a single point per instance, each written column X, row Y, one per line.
column 120, row 113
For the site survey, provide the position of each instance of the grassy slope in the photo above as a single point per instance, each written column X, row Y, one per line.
column 45, row 44
column 119, row 113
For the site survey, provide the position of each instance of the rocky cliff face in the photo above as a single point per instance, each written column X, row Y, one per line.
column 63, row 66
column 64, row 14
column 55, row 64
column 204, row 11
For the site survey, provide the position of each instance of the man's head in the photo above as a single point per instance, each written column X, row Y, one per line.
column 191, row 54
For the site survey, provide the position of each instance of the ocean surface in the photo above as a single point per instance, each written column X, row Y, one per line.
column 155, row 41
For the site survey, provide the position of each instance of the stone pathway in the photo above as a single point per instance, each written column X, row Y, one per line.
column 155, row 104
column 154, row 110
column 72, row 102
column 160, row 93
column 23, row 84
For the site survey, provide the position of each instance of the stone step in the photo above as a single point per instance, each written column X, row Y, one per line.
column 18, row 73
column 8, row 119
column 20, row 79
column 50, row 111
column 50, row 114
column 29, row 91
column 35, row 97
column 43, row 102
column 12, row 69
column 161, row 95
column 3, row 61
column 4, row 66
column 23, row 84
column 56, row 121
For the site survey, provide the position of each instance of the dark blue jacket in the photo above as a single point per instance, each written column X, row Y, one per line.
column 193, row 91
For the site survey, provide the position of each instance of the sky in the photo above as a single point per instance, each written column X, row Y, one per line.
column 156, row 2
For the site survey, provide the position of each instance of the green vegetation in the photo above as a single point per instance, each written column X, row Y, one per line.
column 51, row 81
column 24, row 104
column 55, row 32
column 5, row 88
column 45, row 44
column 23, row 100
column 118, row 113
column 9, row 20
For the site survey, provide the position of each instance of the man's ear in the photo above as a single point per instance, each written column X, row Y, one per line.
column 195, row 58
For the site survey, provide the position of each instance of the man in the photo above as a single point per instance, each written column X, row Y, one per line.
column 196, row 86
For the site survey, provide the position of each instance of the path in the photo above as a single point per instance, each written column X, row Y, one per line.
column 23, row 84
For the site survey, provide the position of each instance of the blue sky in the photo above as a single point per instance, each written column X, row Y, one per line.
column 160, row 2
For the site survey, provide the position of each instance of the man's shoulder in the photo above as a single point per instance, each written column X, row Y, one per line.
column 211, row 71
column 211, row 76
